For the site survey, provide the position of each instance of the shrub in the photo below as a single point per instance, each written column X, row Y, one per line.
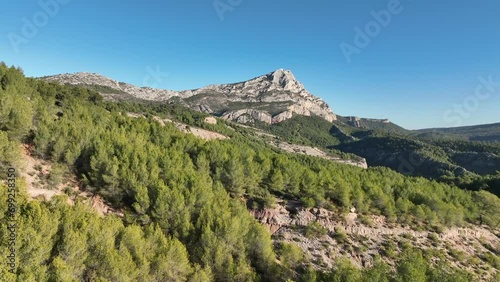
column 340, row 236
column 314, row 229
column 433, row 237
column 56, row 175
column 492, row 259
column 458, row 255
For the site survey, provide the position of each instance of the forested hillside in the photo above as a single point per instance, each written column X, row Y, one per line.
column 186, row 200
column 485, row 132
column 469, row 164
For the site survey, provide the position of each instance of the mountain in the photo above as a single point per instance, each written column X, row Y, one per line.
column 270, row 98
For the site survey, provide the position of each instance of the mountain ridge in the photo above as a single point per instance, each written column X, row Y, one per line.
column 269, row 98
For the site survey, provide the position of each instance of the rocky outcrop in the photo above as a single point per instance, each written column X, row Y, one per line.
column 248, row 116
column 210, row 120
column 315, row 152
column 197, row 132
column 345, row 236
column 291, row 213
column 270, row 98
column 273, row 219
column 354, row 121
column 364, row 122
column 282, row 116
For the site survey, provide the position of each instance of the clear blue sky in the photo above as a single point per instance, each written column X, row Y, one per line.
column 425, row 60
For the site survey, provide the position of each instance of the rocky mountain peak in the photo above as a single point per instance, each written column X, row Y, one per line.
column 283, row 80
column 282, row 77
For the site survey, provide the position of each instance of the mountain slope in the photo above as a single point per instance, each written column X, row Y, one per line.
column 270, row 98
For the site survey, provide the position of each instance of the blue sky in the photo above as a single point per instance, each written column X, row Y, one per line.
column 420, row 68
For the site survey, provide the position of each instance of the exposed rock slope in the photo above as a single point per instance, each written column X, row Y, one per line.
column 269, row 98
column 316, row 152
column 360, row 238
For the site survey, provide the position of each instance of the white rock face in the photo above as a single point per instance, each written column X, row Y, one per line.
column 94, row 79
column 248, row 115
column 282, row 116
column 286, row 80
column 316, row 152
column 210, row 120
column 280, row 80
column 270, row 98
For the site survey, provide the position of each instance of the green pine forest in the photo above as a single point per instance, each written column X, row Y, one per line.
column 186, row 200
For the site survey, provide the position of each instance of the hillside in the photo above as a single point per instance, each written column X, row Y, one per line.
column 191, row 208
column 485, row 132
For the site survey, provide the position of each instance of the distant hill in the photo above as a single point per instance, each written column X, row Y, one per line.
column 372, row 124
column 484, row 132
